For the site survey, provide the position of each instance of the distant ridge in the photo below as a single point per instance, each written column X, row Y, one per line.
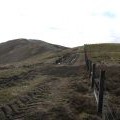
column 21, row 49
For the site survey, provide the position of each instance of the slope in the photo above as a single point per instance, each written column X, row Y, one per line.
column 21, row 49
column 47, row 91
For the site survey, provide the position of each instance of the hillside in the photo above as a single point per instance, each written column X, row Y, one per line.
column 107, row 57
column 107, row 53
column 21, row 49
column 53, row 85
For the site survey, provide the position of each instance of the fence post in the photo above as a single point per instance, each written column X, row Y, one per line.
column 93, row 74
column 90, row 68
column 87, row 63
column 86, row 58
column 85, row 53
column 101, row 92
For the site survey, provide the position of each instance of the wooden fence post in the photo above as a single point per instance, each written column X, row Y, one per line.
column 86, row 58
column 93, row 74
column 87, row 63
column 85, row 53
column 90, row 68
column 101, row 92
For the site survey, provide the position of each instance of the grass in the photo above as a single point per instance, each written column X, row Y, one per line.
column 10, row 93
column 109, row 56
column 108, row 53
column 108, row 47
column 65, row 89
column 11, row 72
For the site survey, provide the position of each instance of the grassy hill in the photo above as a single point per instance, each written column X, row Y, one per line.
column 21, row 49
column 107, row 53
column 51, row 84
column 108, row 56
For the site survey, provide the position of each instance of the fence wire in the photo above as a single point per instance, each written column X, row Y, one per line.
column 108, row 112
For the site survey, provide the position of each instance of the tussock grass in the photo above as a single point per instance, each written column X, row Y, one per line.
column 10, row 93
column 108, row 53
column 11, row 72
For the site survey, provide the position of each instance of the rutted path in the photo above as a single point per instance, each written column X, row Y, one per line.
column 53, row 98
column 32, row 73
column 68, row 59
column 43, row 98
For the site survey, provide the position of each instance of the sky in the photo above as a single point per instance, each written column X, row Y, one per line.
column 69, row 23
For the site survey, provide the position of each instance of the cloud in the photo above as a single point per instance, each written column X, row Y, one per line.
column 109, row 14
column 54, row 28
column 115, row 37
column 65, row 22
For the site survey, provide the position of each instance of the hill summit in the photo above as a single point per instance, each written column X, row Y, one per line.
column 21, row 49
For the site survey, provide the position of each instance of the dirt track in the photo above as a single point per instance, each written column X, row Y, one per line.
column 64, row 95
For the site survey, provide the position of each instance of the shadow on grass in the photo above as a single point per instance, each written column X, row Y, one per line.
column 62, row 71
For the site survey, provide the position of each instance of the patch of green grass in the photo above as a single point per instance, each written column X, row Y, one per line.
column 10, row 93
column 11, row 72
column 104, row 52
column 43, row 58
column 108, row 47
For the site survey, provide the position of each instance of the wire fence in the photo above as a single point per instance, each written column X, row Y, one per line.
column 97, row 77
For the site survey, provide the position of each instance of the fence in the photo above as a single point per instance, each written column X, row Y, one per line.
column 97, row 79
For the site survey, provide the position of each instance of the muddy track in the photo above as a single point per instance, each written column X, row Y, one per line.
column 43, row 99
column 68, row 59
column 31, row 74
column 48, row 99
column 18, row 107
